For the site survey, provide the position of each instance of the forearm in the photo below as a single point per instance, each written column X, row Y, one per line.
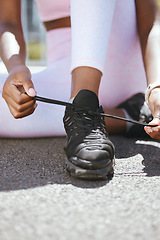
column 12, row 46
column 149, row 35
column 152, row 54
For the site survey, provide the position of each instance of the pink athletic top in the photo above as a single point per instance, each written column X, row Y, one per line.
column 53, row 9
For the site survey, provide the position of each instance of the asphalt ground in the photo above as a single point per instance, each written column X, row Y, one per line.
column 39, row 200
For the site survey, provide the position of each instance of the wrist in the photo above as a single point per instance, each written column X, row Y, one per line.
column 14, row 62
column 20, row 72
column 19, row 68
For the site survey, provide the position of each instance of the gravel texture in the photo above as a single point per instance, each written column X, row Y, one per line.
column 39, row 200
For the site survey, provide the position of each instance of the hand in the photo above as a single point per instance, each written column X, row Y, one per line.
column 17, row 83
column 154, row 105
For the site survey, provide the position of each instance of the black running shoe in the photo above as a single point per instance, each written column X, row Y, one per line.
column 138, row 110
column 90, row 154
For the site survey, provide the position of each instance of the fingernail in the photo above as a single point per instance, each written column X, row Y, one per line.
column 32, row 92
column 35, row 105
column 155, row 129
column 149, row 130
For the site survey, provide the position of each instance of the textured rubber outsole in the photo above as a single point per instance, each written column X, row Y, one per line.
column 89, row 174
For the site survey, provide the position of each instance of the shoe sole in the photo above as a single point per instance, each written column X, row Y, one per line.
column 89, row 174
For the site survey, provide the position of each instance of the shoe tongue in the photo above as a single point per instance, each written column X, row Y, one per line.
column 88, row 99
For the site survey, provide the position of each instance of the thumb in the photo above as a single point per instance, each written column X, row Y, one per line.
column 29, row 87
column 155, row 121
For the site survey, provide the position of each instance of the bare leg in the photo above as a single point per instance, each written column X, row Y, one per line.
column 115, row 126
column 85, row 78
column 89, row 78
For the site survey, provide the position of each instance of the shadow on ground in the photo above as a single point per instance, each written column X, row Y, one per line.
column 148, row 148
column 30, row 163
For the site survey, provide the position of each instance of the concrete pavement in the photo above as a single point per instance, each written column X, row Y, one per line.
column 38, row 199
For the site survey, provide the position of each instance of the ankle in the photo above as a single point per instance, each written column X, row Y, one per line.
column 85, row 78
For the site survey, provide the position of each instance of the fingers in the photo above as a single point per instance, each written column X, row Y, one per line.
column 20, row 104
column 29, row 88
column 12, row 92
column 154, row 132
column 21, row 114
column 21, row 109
